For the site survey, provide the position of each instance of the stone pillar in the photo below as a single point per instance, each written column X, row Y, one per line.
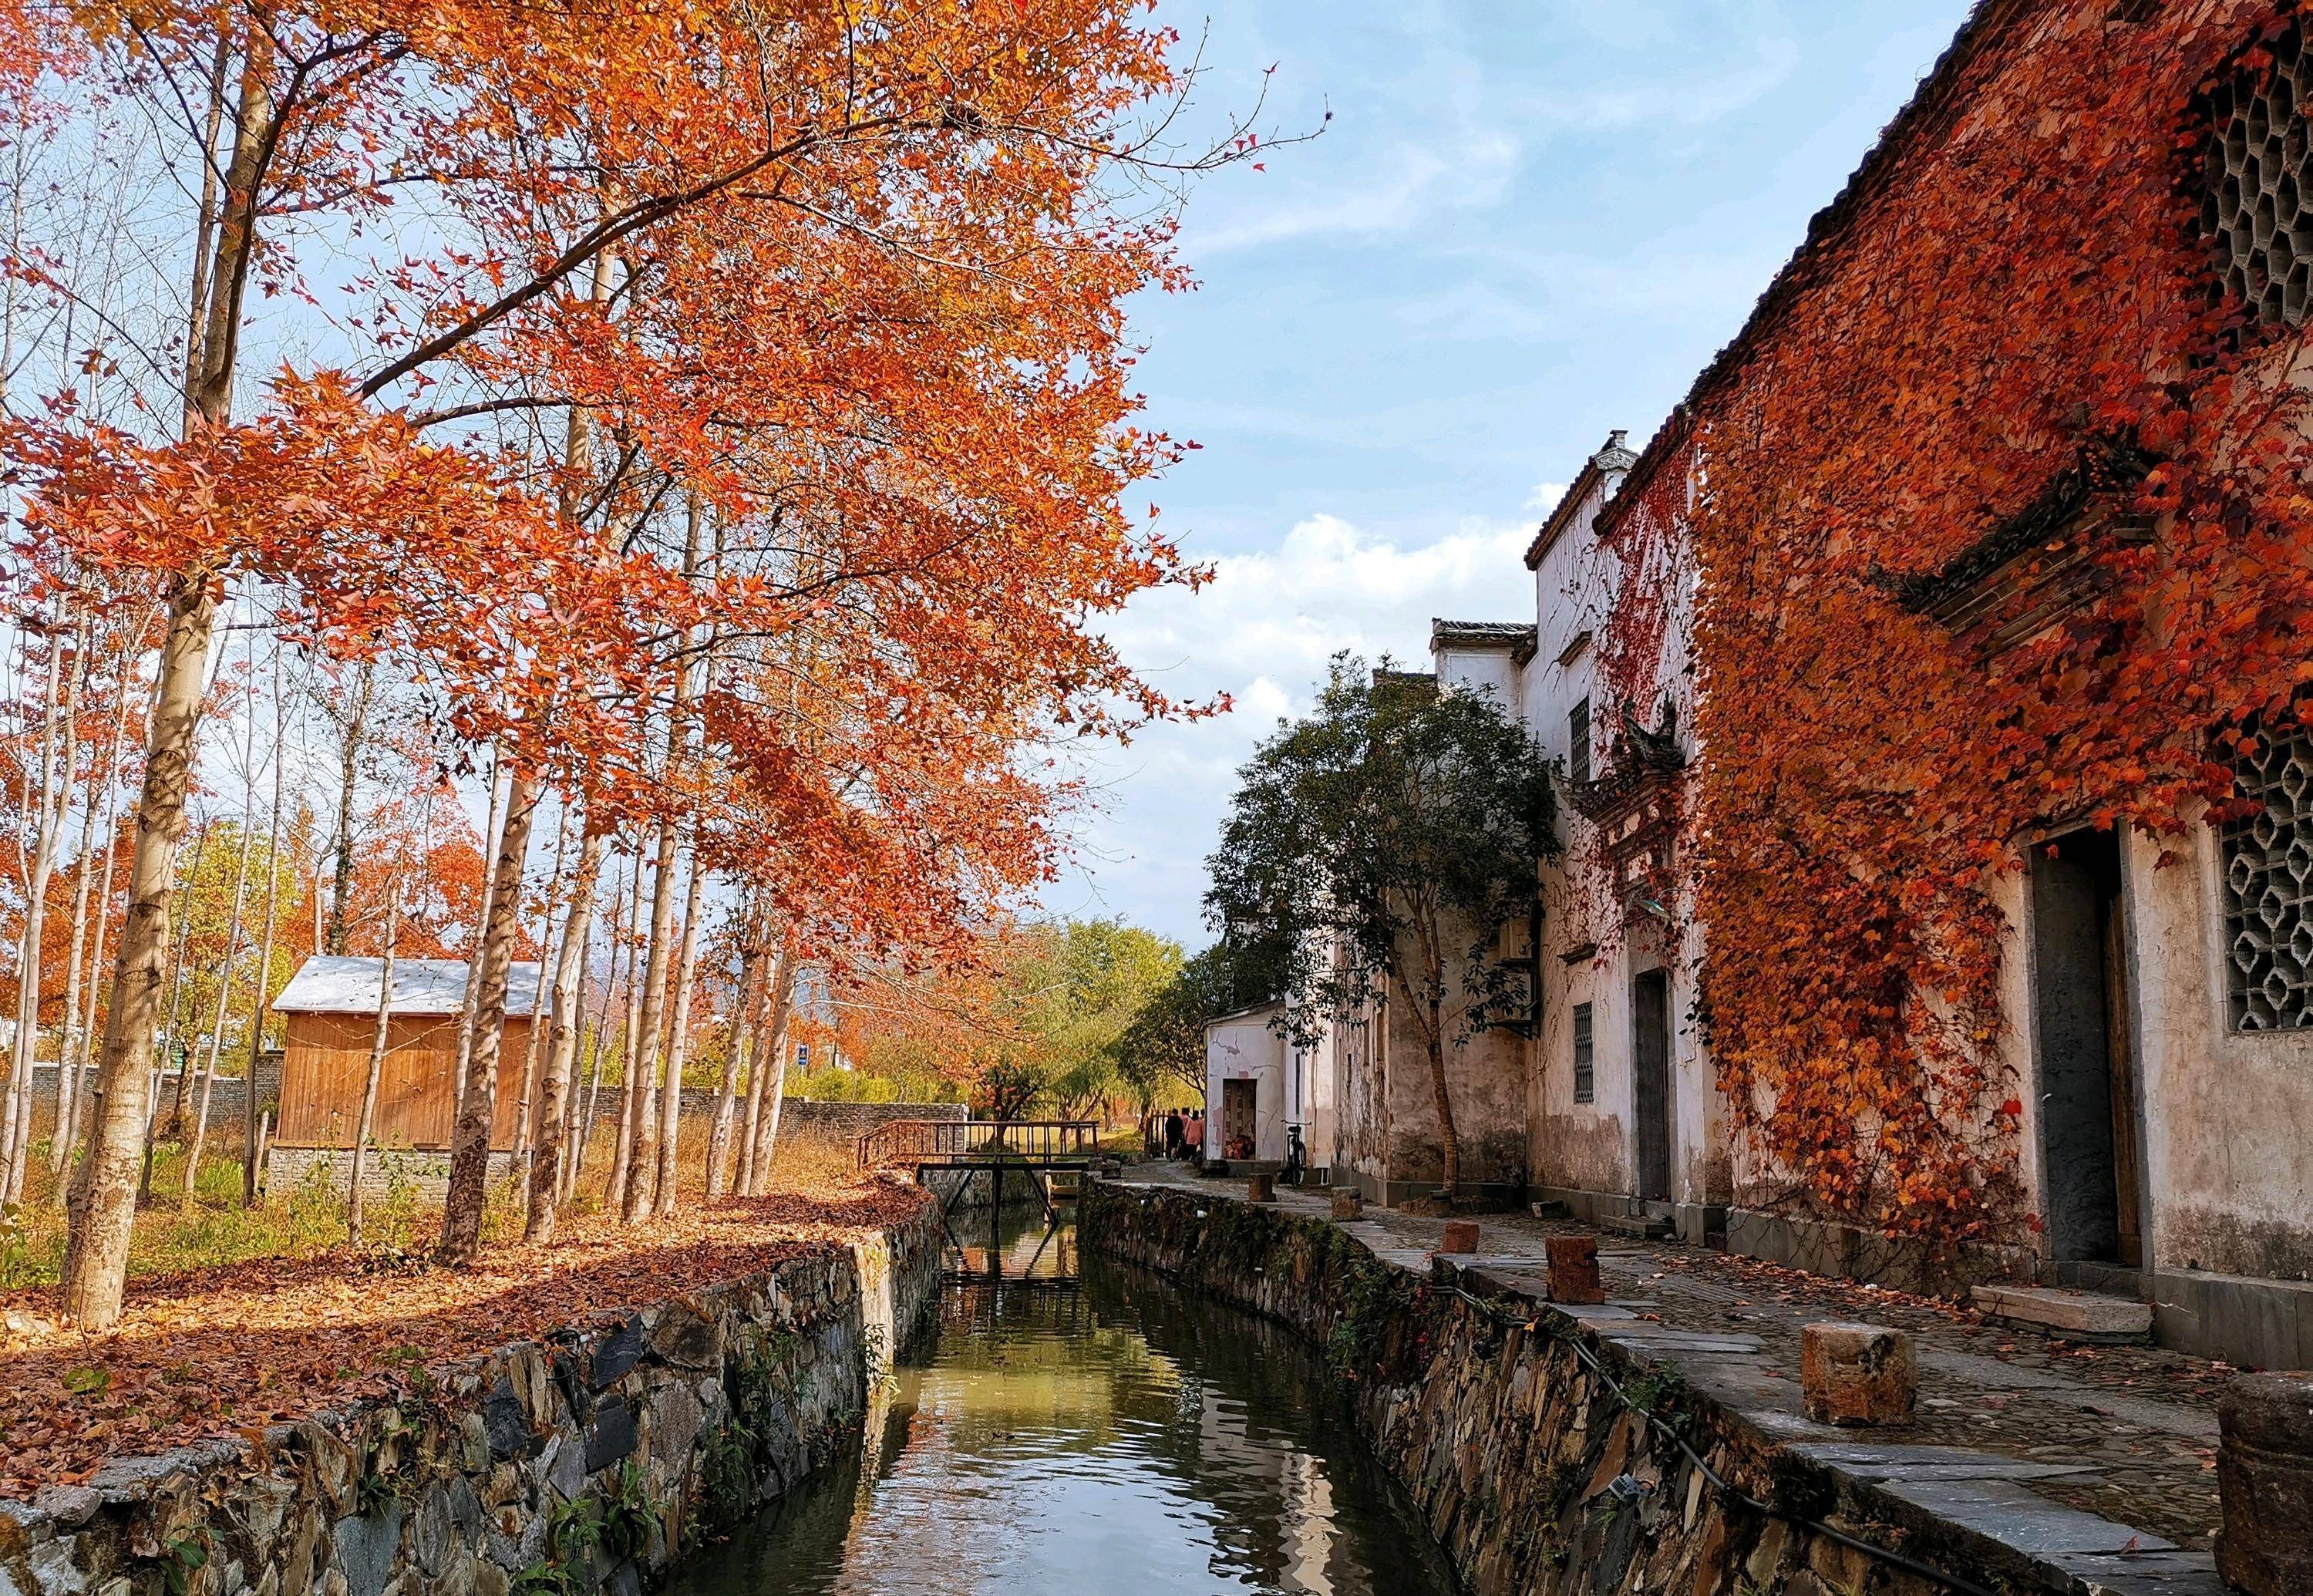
column 1349, row 1205
column 1461, row 1236
column 1573, row 1261
column 1858, row 1374
column 2265, row 1482
column 1262, row 1187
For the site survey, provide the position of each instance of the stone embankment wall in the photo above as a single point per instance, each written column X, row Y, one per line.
column 590, row 1461
column 1529, row 1469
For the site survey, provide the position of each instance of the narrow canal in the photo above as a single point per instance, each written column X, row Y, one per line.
column 1115, row 1436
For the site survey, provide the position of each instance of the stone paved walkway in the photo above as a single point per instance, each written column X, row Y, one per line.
column 2102, row 1459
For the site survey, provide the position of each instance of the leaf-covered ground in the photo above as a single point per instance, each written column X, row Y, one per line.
column 228, row 1350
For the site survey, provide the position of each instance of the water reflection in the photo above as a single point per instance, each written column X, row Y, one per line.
column 1119, row 1438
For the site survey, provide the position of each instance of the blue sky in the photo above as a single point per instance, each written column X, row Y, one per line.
column 1525, row 224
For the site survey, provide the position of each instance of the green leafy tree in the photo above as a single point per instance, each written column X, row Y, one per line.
column 1164, row 1046
column 1390, row 836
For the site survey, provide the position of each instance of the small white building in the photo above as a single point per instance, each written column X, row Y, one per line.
column 1250, row 1074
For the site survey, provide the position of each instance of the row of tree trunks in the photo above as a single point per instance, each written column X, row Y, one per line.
column 470, row 1140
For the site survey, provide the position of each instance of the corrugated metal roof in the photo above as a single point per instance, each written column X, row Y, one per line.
column 327, row 984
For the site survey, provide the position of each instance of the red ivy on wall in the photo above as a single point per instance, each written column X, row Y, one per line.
column 2021, row 283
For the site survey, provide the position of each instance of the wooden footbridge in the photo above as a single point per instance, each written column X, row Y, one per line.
column 979, row 1156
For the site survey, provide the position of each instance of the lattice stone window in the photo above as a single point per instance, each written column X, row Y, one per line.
column 2269, row 889
column 2257, row 205
column 1586, row 1086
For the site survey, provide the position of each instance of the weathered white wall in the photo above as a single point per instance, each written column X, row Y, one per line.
column 1591, row 1146
column 1243, row 1047
column 2227, row 1114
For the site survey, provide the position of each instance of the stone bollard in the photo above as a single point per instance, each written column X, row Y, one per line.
column 1262, row 1187
column 2265, row 1482
column 1858, row 1374
column 1349, row 1205
column 1573, row 1261
column 1461, row 1236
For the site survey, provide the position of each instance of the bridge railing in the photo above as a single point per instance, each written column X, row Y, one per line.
column 903, row 1141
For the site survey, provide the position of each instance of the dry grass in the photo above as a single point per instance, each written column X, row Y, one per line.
column 309, row 1218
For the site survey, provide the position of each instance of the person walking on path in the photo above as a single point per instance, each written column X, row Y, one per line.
column 1173, row 1132
column 1193, row 1133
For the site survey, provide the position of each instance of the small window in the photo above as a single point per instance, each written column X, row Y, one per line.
column 1586, row 1084
column 2268, row 888
column 1578, row 741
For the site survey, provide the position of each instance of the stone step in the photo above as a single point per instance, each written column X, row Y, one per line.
column 2076, row 1316
column 1643, row 1227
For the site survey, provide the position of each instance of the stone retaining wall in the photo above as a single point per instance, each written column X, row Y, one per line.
column 590, row 1461
column 1530, row 1471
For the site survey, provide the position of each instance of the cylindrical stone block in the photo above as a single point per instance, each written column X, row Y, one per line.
column 1262, row 1187
column 1349, row 1205
column 2264, row 1483
column 1461, row 1236
column 1858, row 1374
column 1573, row 1269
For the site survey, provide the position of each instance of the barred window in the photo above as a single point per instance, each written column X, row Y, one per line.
column 1586, row 1086
column 2257, row 166
column 2268, row 888
column 1578, row 741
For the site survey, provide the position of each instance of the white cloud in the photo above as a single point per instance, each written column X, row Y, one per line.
column 1470, row 171
column 1263, row 631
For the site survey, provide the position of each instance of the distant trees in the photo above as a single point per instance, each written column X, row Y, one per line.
column 1390, row 836
column 1032, row 1022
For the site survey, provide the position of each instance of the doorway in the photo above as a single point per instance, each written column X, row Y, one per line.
column 2082, row 1053
column 1650, row 1083
column 1236, row 1118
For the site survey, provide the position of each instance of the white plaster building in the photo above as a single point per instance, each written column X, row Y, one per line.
column 1623, row 1118
column 1253, row 1083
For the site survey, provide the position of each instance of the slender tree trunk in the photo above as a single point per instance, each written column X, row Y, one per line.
column 562, row 1047
column 623, row 1142
column 224, row 1007
column 470, row 1142
column 102, row 1207
column 526, row 1127
column 750, row 1014
column 379, row 1039
column 582, row 1135
column 353, row 735
column 249, row 1133
column 501, row 773
column 678, row 1048
column 101, row 802
column 774, row 1059
column 15, row 1114
column 735, row 1060
column 642, row 1166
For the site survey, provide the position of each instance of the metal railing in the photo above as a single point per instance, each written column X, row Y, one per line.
column 1039, row 1142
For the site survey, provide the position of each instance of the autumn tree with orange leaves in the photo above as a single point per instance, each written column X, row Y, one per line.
column 745, row 433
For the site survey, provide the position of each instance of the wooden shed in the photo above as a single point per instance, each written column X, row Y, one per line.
column 331, row 1005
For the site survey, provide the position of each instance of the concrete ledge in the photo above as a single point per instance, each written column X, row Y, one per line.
column 2244, row 1319
column 2076, row 1316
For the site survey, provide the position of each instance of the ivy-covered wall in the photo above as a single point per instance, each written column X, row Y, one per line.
column 590, row 1461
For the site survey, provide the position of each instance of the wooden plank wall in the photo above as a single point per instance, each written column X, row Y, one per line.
column 326, row 1066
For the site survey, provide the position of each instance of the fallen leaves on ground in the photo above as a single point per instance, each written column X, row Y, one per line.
column 224, row 1352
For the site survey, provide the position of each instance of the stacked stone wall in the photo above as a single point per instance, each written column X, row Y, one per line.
column 1530, row 1470
column 589, row 1461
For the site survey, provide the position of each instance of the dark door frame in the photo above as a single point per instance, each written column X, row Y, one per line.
column 1652, row 1119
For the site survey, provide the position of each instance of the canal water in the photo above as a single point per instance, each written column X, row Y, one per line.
column 1110, row 1437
